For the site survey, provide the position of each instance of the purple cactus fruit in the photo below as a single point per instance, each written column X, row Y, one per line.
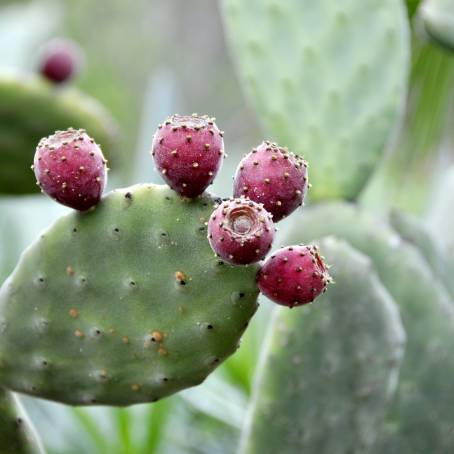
column 188, row 152
column 273, row 176
column 71, row 168
column 61, row 59
column 241, row 231
column 293, row 276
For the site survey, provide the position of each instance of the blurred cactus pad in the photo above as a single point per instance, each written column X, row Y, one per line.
column 420, row 418
column 122, row 304
column 326, row 78
column 438, row 18
column 328, row 370
column 32, row 108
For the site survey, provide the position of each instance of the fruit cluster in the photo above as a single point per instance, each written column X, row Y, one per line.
column 269, row 184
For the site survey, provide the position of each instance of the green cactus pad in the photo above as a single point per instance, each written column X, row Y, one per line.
column 421, row 420
column 438, row 19
column 123, row 304
column 17, row 436
column 412, row 229
column 31, row 108
column 329, row 369
column 327, row 79
column 441, row 221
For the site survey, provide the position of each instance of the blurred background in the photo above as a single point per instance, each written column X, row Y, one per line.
column 145, row 60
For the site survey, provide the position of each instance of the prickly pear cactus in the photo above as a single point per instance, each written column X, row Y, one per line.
column 31, row 108
column 123, row 304
column 441, row 221
column 421, row 419
column 438, row 19
column 412, row 230
column 329, row 369
column 17, row 436
column 309, row 71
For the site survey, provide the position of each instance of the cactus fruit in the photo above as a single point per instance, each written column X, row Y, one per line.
column 318, row 88
column 122, row 304
column 70, row 167
column 273, row 176
column 294, row 275
column 328, row 370
column 421, row 417
column 30, row 109
column 188, row 152
column 438, row 19
column 60, row 60
column 241, row 231
column 17, row 435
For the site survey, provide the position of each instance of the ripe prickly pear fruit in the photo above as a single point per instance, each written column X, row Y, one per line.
column 293, row 276
column 71, row 168
column 273, row 176
column 241, row 231
column 61, row 60
column 188, row 152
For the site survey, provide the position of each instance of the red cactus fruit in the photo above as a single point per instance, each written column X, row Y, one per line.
column 70, row 167
column 273, row 176
column 293, row 276
column 241, row 231
column 61, row 59
column 188, row 152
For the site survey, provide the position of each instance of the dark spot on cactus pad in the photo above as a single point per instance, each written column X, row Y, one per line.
column 180, row 277
column 156, row 336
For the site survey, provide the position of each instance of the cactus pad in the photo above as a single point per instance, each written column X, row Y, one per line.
column 329, row 369
column 421, row 419
column 122, row 304
column 31, row 108
column 327, row 79
column 17, row 436
column 438, row 19
column 412, row 230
